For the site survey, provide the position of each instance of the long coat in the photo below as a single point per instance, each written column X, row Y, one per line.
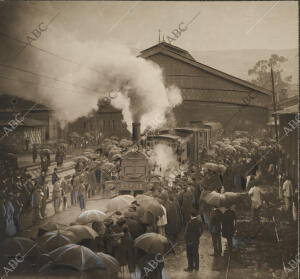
column 187, row 205
column 11, row 228
column 228, row 223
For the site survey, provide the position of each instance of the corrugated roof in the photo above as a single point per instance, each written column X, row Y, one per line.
column 182, row 55
column 289, row 110
column 165, row 136
column 26, row 123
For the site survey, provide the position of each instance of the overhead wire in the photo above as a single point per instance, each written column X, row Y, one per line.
column 47, row 77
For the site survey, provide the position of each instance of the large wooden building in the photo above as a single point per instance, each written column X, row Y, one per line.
column 209, row 94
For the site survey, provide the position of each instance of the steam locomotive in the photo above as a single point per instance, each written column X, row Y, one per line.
column 135, row 172
column 188, row 143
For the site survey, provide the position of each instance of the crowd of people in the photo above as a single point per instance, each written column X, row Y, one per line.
column 184, row 209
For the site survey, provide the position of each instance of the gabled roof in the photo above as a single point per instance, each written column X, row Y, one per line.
column 12, row 103
column 184, row 56
column 170, row 48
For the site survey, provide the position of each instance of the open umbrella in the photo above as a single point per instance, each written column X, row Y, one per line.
column 241, row 149
column 212, row 198
column 144, row 198
column 152, row 243
column 254, row 143
column 211, row 166
column 82, row 158
column 116, row 156
column 222, row 200
column 49, row 227
column 109, row 261
column 12, row 246
column 128, row 198
column 229, row 148
column 105, row 141
column 52, row 240
column 152, row 206
column 233, row 199
column 77, row 256
column 74, row 135
column 108, row 166
column 222, row 168
column 125, row 143
column 90, row 216
column 82, row 232
column 119, row 203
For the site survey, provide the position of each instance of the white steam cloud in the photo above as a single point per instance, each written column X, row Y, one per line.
column 72, row 90
column 164, row 156
column 142, row 95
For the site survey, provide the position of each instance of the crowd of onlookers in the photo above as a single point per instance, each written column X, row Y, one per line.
column 20, row 192
column 181, row 201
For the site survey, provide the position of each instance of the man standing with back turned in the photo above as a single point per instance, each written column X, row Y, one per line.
column 192, row 234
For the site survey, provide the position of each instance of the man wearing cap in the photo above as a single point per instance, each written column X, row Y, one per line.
column 228, row 226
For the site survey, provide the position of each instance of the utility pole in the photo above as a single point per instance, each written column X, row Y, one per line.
column 274, row 104
column 278, row 173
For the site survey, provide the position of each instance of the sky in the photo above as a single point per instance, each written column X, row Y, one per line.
column 218, row 26
column 66, row 38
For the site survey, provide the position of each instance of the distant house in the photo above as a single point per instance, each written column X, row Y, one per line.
column 107, row 122
column 288, row 117
column 22, row 119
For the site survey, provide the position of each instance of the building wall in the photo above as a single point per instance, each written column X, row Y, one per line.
column 289, row 145
column 108, row 123
column 229, row 115
column 211, row 98
column 47, row 116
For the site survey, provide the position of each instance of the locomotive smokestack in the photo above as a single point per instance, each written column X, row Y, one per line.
column 136, row 132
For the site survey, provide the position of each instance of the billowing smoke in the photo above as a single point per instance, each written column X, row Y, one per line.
column 163, row 156
column 137, row 84
column 73, row 90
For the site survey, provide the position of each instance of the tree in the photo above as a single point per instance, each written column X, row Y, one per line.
column 262, row 75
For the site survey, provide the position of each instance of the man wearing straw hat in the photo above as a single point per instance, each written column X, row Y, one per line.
column 255, row 194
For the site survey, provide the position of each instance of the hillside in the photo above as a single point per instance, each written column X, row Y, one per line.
column 238, row 62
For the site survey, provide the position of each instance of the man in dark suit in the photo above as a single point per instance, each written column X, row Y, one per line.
column 229, row 226
column 216, row 218
column 192, row 234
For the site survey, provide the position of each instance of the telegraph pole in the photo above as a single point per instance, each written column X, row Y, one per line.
column 274, row 104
